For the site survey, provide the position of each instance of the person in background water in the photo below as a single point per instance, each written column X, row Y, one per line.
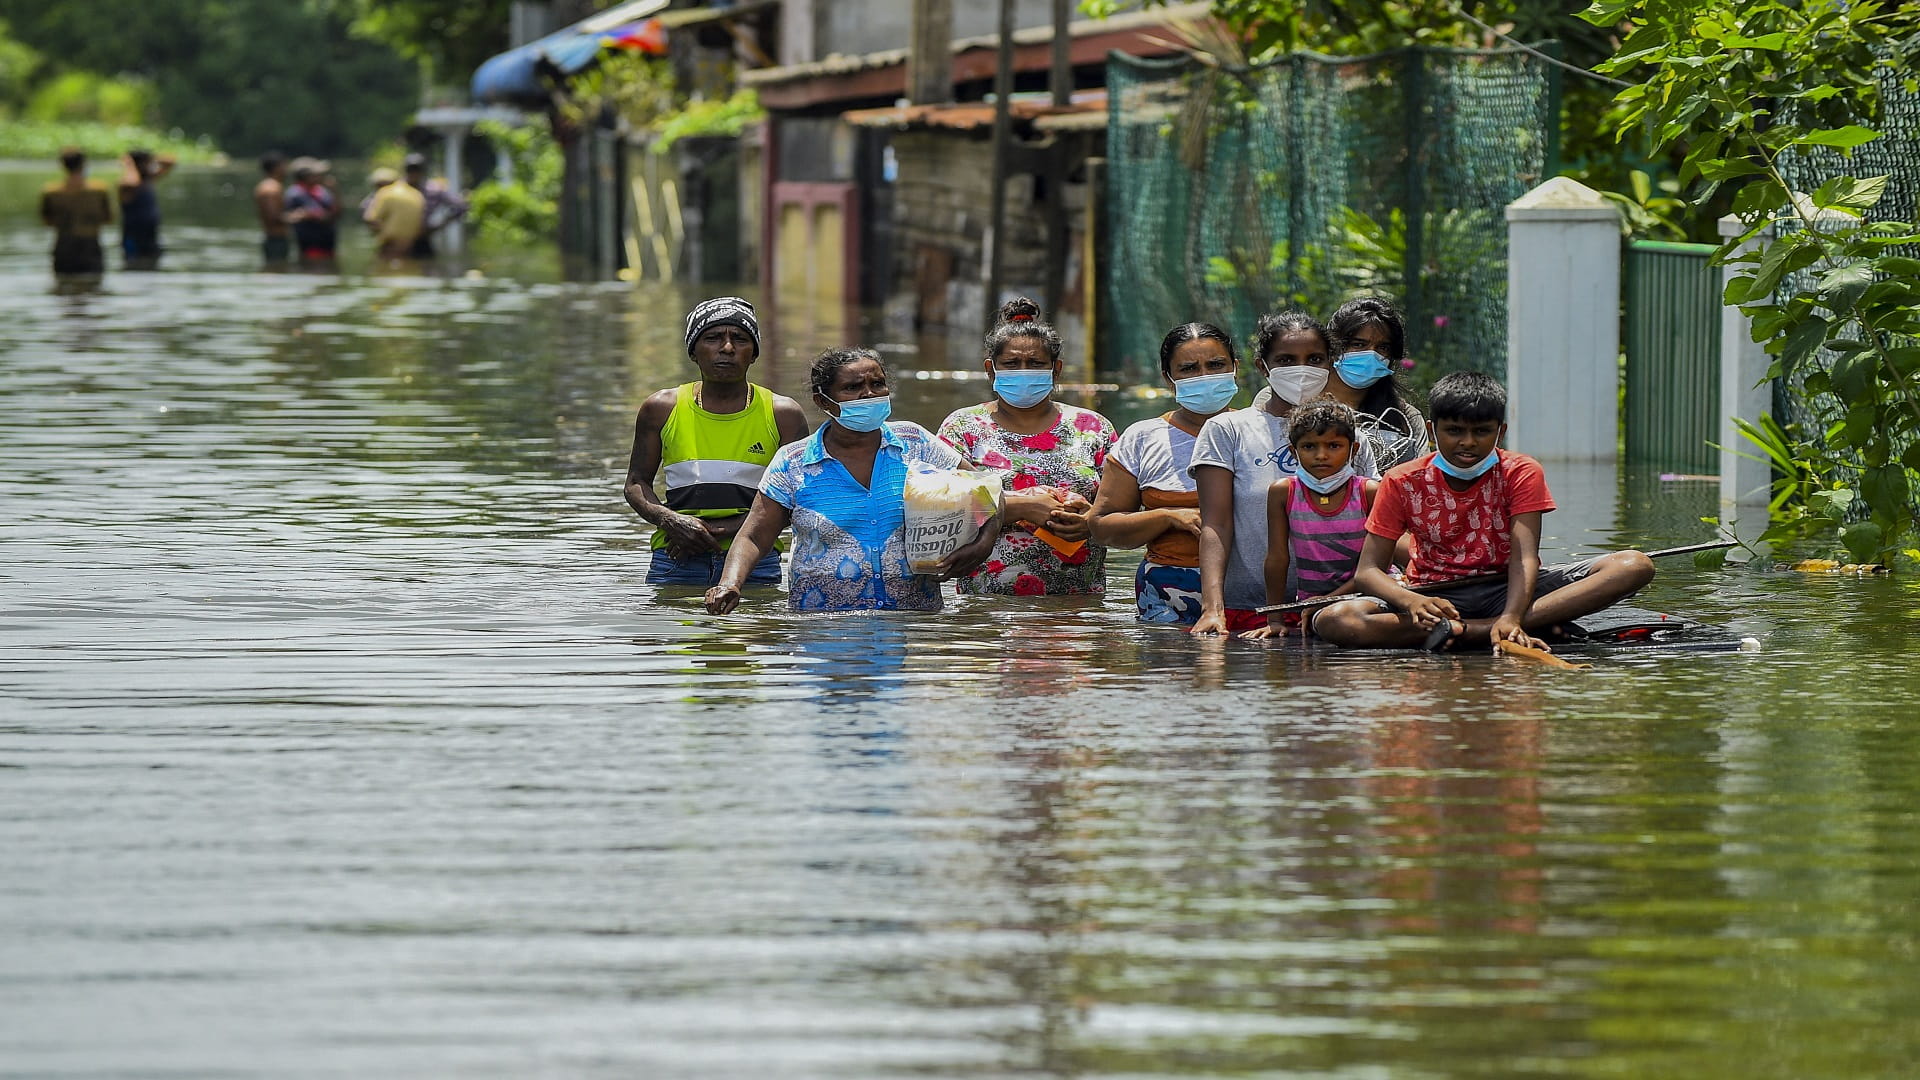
column 140, row 207
column 714, row 438
column 397, row 211
column 844, row 493
column 1369, row 346
column 1054, row 454
column 1316, row 518
column 377, row 180
column 1472, row 509
column 443, row 209
column 1146, row 496
column 1238, row 457
column 312, row 208
column 76, row 208
column 269, row 197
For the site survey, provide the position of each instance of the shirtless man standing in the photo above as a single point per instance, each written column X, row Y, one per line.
column 269, row 195
column 75, row 208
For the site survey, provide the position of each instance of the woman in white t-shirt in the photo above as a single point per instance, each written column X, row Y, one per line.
column 1239, row 454
column 1146, row 496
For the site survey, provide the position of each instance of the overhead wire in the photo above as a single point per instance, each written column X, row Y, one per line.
column 1526, row 48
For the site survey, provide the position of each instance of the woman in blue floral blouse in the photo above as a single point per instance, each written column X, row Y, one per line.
column 843, row 492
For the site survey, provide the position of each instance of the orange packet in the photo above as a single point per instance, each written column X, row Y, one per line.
column 1063, row 547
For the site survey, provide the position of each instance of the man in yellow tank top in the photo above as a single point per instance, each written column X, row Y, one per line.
column 713, row 438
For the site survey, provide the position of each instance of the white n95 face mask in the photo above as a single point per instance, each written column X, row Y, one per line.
column 1297, row 384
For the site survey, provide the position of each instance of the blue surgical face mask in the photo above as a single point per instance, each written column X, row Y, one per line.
column 1361, row 369
column 1023, row 389
column 864, row 414
column 1471, row 472
column 1334, row 482
column 1206, row 394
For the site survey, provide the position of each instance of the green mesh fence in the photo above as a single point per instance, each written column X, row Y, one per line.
column 1303, row 182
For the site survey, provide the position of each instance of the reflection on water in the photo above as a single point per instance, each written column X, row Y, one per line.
column 341, row 736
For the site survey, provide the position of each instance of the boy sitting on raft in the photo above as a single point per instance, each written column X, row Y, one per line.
column 1471, row 509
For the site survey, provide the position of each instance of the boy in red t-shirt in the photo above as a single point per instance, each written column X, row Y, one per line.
column 1471, row 509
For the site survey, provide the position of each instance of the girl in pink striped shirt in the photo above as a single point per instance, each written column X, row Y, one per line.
column 1316, row 518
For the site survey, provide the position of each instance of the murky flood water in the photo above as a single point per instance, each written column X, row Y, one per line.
column 341, row 737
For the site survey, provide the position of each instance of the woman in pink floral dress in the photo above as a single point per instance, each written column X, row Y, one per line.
column 1053, row 454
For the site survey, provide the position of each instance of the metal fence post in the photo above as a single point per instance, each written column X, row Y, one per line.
column 1414, row 104
column 1555, row 98
column 1296, row 178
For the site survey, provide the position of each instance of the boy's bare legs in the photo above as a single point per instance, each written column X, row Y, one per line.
column 1362, row 624
column 1613, row 578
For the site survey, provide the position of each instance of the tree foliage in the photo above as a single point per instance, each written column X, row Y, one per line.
column 1344, row 28
column 449, row 37
column 1833, row 290
column 1588, row 149
column 252, row 74
column 527, row 209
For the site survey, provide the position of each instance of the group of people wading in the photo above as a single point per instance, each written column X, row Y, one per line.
column 1329, row 483
column 298, row 203
column 77, row 209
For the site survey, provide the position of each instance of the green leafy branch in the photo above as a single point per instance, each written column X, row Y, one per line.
column 1745, row 87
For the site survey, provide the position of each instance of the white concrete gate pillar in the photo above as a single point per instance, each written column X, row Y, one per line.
column 1563, row 324
column 453, row 238
column 1746, row 485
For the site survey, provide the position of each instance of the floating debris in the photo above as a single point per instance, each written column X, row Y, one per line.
column 1832, row 566
column 1749, row 644
column 1538, row 656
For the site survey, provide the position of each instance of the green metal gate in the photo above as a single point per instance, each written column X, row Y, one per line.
column 1673, row 356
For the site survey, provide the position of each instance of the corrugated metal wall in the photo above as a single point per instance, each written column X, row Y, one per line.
column 1673, row 357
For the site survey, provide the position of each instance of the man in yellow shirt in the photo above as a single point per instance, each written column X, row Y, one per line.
column 75, row 208
column 399, row 211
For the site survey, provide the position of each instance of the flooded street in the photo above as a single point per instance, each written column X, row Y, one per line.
column 340, row 736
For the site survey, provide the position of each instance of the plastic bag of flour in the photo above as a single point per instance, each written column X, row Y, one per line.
column 946, row 509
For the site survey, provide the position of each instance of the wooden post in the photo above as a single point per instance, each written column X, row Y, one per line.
column 1055, row 165
column 1092, row 273
column 1002, row 140
column 1060, row 79
column 930, row 56
column 606, row 203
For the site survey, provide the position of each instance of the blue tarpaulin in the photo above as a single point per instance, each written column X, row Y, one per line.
column 514, row 76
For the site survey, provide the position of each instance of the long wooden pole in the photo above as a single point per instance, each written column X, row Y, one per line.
column 930, row 61
column 1060, row 74
column 1443, row 586
column 1060, row 82
column 1002, row 138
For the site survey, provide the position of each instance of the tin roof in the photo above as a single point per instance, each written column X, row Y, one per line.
column 883, row 74
column 688, row 17
column 975, row 115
